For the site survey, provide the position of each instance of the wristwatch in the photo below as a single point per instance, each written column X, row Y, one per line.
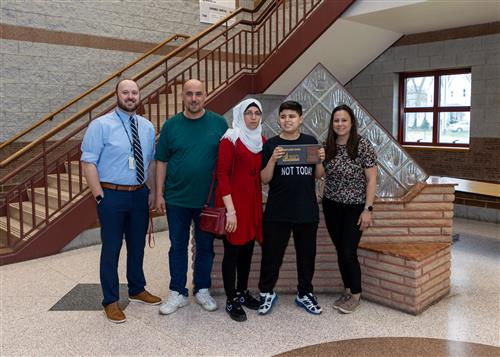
column 369, row 208
column 98, row 198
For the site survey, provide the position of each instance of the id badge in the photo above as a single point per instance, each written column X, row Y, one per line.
column 131, row 163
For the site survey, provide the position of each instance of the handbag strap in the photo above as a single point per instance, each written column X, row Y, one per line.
column 213, row 176
column 211, row 188
column 151, row 235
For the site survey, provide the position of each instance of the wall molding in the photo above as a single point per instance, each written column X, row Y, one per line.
column 449, row 34
column 31, row 34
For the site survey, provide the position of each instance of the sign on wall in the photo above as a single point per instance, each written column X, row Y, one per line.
column 212, row 11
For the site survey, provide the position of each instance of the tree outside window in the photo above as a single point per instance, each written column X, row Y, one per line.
column 435, row 108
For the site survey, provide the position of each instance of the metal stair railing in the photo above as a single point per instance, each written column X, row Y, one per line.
column 237, row 44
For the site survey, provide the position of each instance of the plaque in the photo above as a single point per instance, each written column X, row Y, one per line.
column 300, row 155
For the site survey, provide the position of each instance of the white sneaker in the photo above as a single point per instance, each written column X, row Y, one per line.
column 309, row 303
column 206, row 301
column 267, row 301
column 175, row 301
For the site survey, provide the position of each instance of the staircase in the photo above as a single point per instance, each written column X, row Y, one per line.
column 46, row 203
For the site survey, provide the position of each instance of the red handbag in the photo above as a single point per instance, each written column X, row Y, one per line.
column 213, row 219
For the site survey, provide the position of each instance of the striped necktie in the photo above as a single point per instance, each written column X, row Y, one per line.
column 136, row 144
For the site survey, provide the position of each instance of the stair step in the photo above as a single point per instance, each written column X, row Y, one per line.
column 74, row 168
column 39, row 194
column 162, row 97
column 7, row 250
column 15, row 229
column 159, row 105
column 152, row 118
column 153, row 110
column 27, row 208
column 64, row 181
column 39, row 205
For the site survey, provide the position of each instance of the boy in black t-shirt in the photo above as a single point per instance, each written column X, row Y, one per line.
column 291, row 207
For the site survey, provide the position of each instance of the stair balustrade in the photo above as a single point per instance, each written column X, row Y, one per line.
column 43, row 180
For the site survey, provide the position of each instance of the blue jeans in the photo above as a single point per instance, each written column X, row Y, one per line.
column 122, row 213
column 179, row 223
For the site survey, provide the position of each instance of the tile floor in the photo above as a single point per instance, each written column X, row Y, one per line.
column 28, row 291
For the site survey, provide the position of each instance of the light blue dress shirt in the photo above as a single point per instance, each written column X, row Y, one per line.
column 107, row 145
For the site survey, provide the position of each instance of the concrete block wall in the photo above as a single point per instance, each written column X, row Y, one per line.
column 146, row 20
column 376, row 87
column 38, row 77
column 35, row 85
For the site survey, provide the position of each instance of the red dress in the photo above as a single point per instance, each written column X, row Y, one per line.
column 244, row 185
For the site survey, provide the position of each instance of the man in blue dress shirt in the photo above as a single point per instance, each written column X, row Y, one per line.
column 117, row 161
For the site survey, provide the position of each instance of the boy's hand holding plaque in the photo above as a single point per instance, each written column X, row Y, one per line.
column 300, row 155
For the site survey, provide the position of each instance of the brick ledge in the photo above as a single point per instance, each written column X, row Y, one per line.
column 410, row 251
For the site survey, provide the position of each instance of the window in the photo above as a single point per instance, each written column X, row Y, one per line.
column 435, row 108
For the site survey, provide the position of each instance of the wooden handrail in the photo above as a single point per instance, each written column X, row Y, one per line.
column 193, row 40
column 54, row 131
column 97, row 86
column 224, row 46
column 38, row 156
column 171, row 54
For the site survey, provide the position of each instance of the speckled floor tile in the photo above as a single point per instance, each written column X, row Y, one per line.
column 77, row 264
column 28, row 290
column 32, row 279
column 480, row 228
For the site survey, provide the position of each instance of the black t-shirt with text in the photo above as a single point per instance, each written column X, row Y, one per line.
column 292, row 191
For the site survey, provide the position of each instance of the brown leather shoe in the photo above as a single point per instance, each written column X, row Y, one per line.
column 146, row 298
column 114, row 313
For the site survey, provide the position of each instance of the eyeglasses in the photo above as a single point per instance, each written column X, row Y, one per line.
column 253, row 114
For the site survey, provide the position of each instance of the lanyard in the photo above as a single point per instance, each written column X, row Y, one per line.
column 126, row 131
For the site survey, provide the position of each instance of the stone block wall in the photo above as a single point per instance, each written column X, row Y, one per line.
column 147, row 20
column 52, row 51
column 35, row 85
column 376, row 87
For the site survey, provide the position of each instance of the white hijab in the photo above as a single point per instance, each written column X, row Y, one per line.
column 252, row 139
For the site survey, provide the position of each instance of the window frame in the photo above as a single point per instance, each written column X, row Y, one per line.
column 436, row 109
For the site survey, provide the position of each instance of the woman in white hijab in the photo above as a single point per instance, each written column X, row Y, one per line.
column 239, row 191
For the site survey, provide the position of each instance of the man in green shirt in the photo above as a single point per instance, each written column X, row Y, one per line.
column 186, row 154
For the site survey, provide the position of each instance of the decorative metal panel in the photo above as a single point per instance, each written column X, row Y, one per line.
column 318, row 94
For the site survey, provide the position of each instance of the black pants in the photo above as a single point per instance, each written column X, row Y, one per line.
column 342, row 224
column 237, row 259
column 275, row 241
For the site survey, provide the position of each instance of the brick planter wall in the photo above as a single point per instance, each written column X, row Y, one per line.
column 424, row 216
column 394, row 277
